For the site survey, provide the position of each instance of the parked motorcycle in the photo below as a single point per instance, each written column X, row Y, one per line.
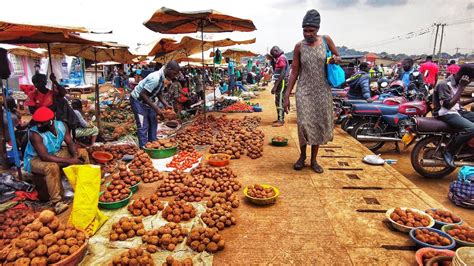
column 387, row 123
column 427, row 154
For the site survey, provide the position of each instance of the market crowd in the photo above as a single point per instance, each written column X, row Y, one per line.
column 166, row 91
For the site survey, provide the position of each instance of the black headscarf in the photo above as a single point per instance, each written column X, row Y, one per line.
column 312, row 18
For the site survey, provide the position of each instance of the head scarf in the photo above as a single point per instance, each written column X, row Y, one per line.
column 312, row 18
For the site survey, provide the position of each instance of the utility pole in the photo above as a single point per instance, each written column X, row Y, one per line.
column 441, row 41
column 436, row 37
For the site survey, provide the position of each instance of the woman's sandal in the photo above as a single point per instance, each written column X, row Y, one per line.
column 299, row 164
column 317, row 168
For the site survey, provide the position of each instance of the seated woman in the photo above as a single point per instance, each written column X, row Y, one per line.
column 86, row 129
column 180, row 94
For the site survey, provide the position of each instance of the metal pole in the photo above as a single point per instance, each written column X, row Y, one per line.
column 213, row 70
column 50, row 60
column 441, row 40
column 97, row 106
column 202, row 72
column 436, row 38
column 3, row 142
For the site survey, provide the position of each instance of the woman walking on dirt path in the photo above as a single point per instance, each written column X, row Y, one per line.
column 314, row 109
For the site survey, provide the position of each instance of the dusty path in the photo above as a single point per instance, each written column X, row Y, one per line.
column 335, row 218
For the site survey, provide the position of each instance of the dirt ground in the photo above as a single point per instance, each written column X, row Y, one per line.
column 334, row 218
column 436, row 188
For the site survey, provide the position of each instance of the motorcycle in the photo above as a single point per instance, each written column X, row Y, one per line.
column 427, row 154
column 387, row 123
column 356, row 110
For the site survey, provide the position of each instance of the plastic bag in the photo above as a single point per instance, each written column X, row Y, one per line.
column 85, row 180
column 334, row 72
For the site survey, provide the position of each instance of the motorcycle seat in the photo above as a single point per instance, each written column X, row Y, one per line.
column 431, row 124
column 349, row 103
column 374, row 109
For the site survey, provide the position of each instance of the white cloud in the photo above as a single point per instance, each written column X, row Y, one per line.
column 278, row 22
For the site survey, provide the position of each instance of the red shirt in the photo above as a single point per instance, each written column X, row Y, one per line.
column 38, row 99
column 281, row 62
column 453, row 69
column 432, row 69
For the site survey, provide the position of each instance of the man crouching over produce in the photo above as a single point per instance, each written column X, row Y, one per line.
column 44, row 154
column 143, row 99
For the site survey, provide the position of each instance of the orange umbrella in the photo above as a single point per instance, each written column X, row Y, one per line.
column 169, row 21
column 237, row 53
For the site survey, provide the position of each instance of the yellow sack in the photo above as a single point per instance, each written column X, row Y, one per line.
column 85, row 180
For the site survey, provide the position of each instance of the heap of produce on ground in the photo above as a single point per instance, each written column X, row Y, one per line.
column 230, row 136
column 43, row 241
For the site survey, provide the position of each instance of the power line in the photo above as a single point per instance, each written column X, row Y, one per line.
column 414, row 34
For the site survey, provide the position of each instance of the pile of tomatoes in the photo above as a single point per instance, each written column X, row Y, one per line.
column 238, row 107
column 184, row 160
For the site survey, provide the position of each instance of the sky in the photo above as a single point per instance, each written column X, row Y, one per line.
column 367, row 25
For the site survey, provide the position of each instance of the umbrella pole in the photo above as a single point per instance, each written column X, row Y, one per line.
column 3, row 150
column 213, row 69
column 202, row 72
column 97, row 106
column 50, row 60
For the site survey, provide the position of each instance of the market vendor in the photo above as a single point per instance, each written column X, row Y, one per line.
column 44, row 154
column 86, row 129
column 52, row 98
column 143, row 99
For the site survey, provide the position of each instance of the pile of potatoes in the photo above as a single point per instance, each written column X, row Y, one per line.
column 443, row 216
column 205, row 239
column 128, row 177
column 117, row 190
column 409, row 218
column 226, row 200
column 170, row 261
column 177, row 211
column 150, row 175
column 118, row 151
column 213, row 172
column 255, row 144
column 251, row 122
column 218, row 217
column 165, row 237
column 191, row 194
column 161, row 144
column 133, row 257
column 432, row 238
column 12, row 223
column 126, row 228
column 172, row 184
column 259, row 192
column 225, row 145
column 146, row 206
column 44, row 241
column 141, row 161
column 225, row 184
column 462, row 232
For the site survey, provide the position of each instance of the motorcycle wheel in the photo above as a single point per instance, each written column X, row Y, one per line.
column 365, row 126
column 348, row 124
column 424, row 149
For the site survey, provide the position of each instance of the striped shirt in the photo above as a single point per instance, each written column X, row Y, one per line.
column 153, row 83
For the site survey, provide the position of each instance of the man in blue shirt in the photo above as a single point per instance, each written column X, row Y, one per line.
column 359, row 87
column 143, row 98
column 231, row 74
column 407, row 76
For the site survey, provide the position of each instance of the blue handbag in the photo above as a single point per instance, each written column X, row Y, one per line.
column 334, row 73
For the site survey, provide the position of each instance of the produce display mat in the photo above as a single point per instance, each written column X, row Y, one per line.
column 160, row 165
column 101, row 250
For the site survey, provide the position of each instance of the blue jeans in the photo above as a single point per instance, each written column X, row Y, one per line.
column 147, row 123
column 465, row 124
